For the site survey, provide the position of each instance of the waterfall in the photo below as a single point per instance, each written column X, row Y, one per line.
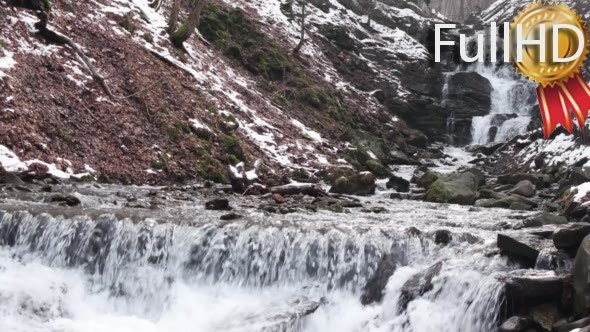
column 102, row 274
column 511, row 106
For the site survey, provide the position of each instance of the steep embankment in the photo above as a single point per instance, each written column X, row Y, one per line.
column 236, row 95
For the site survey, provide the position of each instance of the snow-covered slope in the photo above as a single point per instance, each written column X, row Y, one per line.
column 52, row 108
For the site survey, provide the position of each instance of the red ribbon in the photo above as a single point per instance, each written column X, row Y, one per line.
column 559, row 101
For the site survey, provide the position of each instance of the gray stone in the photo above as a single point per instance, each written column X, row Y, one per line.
column 362, row 184
column 524, row 188
column 570, row 238
column 516, row 324
column 418, row 285
column 373, row 290
column 544, row 218
column 581, row 279
column 457, row 188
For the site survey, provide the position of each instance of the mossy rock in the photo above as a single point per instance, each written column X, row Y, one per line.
column 231, row 145
column 428, row 179
column 457, row 188
column 362, row 184
column 377, row 168
column 333, row 173
column 336, row 208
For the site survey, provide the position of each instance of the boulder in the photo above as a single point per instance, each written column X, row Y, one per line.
column 12, row 179
column 581, row 279
column 544, row 218
column 578, row 176
column 499, row 119
column 442, row 237
column 544, row 316
column 468, row 95
column 427, row 179
column 516, row 324
column 399, row 184
column 457, row 188
column 377, row 168
column 418, row 285
column 362, row 184
column 524, row 188
column 565, row 326
column 539, row 180
column 522, row 247
column 570, row 238
column 217, row 204
column 373, row 290
column 525, row 289
column 69, row 200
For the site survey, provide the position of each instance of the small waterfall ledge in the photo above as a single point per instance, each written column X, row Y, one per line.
column 106, row 274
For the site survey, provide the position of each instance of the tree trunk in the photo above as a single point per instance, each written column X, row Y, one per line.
column 190, row 24
column 302, row 38
column 462, row 11
column 174, row 17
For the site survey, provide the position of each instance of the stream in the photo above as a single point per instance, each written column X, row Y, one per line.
column 182, row 269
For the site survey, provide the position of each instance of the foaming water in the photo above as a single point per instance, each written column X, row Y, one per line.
column 104, row 274
column 511, row 105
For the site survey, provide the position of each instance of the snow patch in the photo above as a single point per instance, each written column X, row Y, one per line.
column 6, row 63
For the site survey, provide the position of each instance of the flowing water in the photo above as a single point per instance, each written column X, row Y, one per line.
column 512, row 100
column 300, row 272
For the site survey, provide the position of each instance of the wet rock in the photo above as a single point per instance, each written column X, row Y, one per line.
column 525, row 289
column 521, row 247
column 524, row 188
column 377, row 168
column 520, row 206
column 399, row 184
column 427, row 179
column 544, row 218
column 69, row 200
column 490, row 194
column 565, row 326
column 468, row 95
column 457, row 188
column 544, row 316
column 442, row 237
column 516, row 324
column 362, row 184
column 413, row 231
column 230, row 216
column 578, row 176
column 539, row 180
column 418, row 285
column 217, row 204
column 333, row 173
column 12, row 179
column 570, row 238
column 278, row 198
column 581, row 279
column 479, row 175
column 373, row 290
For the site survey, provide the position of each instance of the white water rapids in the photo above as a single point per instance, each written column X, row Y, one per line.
column 265, row 273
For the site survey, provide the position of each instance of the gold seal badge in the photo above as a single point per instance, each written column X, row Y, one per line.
column 549, row 72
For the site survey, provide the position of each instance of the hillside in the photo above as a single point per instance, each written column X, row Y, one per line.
column 237, row 94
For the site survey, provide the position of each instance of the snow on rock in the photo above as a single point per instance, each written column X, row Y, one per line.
column 12, row 163
column 6, row 63
column 562, row 149
column 314, row 135
column 581, row 191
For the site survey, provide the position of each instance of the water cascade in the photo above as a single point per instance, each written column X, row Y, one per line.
column 512, row 101
column 301, row 274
